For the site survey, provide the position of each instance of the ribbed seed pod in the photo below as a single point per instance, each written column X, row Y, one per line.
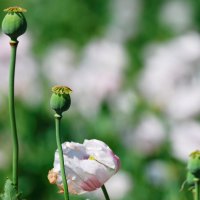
column 60, row 100
column 14, row 23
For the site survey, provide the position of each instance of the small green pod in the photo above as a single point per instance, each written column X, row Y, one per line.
column 60, row 99
column 14, row 23
column 194, row 164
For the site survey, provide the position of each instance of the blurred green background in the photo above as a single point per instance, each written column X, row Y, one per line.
column 134, row 68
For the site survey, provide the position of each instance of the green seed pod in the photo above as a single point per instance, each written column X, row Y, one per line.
column 194, row 164
column 60, row 100
column 14, row 23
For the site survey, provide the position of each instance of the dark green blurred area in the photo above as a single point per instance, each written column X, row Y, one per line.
column 79, row 21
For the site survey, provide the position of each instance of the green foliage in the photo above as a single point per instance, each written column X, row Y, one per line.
column 10, row 192
column 77, row 20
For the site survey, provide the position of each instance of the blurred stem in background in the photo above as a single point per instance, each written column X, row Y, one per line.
column 13, row 44
column 105, row 192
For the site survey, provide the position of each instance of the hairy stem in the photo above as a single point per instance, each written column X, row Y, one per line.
column 105, row 192
column 60, row 151
column 13, row 45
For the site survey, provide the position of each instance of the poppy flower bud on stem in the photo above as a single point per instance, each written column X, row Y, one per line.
column 14, row 23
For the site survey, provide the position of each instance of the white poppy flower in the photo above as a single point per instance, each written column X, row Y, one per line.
column 88, row 166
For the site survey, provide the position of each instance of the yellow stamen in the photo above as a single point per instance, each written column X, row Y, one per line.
column 91, row 158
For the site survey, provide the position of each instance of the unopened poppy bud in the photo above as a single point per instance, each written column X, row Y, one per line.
column 14, row 23
column 60, row 100
column 194, row 164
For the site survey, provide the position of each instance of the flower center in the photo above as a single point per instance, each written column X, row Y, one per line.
column 91, row 158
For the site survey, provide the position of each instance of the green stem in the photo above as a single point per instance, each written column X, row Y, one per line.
column 60, row 151
column 105, row 192
column 197, row 190
column 13, row 44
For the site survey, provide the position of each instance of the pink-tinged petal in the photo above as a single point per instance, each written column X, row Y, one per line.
column 91, row 184
column 74, row 187
column 102, row 153
column 116, row 161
